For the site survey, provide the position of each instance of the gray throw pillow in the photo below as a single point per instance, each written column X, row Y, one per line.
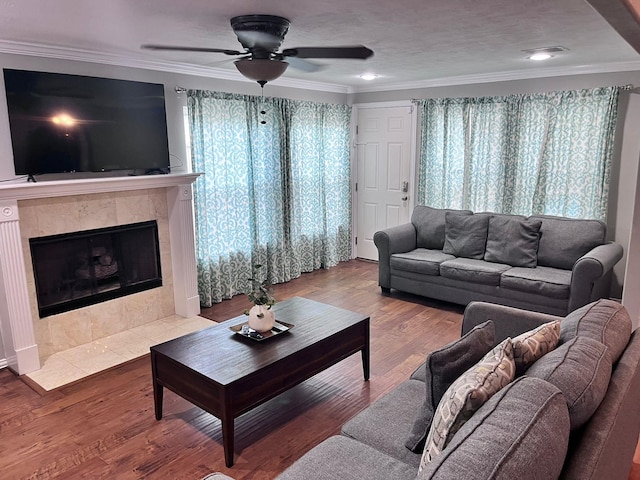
column 429, row 223
column 443, row 367
column 513, row 241
column 465, row 235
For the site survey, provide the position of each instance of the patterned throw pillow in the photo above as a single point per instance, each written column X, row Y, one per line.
column 530, row 346
column 466, row 395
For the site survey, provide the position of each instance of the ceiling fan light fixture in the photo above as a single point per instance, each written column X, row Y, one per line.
column 540, row 56
column 261, row 70
column 544, row 53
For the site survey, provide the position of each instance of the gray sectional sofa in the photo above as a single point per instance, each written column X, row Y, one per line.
column 573, row 414
column 541, row 263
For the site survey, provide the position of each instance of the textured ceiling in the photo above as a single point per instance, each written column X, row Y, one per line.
column 414, row 40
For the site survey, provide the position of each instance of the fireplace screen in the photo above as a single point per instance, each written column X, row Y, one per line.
column 74, row 270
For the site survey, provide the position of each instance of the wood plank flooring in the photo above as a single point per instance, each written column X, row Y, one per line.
column 104, row 426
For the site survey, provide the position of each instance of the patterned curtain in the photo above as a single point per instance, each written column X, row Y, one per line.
column 276, row 189
column 524, row 154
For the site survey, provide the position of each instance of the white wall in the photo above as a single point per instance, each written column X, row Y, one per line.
column 626, row 155
column 631, row 297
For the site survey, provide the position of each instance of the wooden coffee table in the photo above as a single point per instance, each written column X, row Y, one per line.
column 227, row 375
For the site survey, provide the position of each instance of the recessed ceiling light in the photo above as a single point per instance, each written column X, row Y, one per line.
column 540, row 56
column 368, row 76
column 544, row 53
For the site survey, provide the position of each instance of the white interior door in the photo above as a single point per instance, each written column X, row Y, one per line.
column 384, row 172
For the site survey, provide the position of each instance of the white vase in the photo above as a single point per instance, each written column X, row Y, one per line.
column 261, row 318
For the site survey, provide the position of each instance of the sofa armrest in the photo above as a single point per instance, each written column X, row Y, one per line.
column 592, row 272
column 508, row 321
column 401, row 238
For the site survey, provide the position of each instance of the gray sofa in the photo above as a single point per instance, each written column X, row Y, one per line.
column 541, row 263
column 573, row 414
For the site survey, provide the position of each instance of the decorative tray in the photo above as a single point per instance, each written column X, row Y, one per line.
column 243, row 330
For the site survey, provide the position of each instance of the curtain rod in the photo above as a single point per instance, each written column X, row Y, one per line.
column 178, row 89
column 627, row 88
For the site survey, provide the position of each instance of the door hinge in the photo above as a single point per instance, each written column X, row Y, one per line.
column 356, row 186
column 356, row 240
column 356, row 129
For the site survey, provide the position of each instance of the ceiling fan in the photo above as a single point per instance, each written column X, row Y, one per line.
column 261, row 37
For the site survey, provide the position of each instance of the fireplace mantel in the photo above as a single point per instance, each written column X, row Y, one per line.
column 16, row 321
column 83, row 186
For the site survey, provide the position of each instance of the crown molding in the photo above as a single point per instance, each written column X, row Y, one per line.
column 132, row 61
column 503, row 76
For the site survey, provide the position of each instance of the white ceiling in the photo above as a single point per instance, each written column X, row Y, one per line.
column 415, row 41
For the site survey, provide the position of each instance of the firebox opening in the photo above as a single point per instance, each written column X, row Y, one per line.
column 74, row 270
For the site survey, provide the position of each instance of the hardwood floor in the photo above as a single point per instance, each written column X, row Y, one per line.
column 104, row 426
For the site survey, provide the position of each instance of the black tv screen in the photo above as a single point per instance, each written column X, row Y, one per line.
column 72, row 123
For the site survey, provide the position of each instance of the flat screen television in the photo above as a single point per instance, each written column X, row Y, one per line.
column 72, row 123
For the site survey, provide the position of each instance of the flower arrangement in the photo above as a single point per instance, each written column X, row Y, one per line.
column 262, row 293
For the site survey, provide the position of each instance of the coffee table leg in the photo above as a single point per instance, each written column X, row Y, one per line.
column 227, row 439
column 366, row 351
column 158, row 391
column 365, row 362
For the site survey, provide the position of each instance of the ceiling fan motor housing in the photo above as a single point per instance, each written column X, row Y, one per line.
column 260, row 33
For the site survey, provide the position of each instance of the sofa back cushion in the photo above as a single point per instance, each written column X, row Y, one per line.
column 521, row 432
column 513, row 240
column 465, row 235
column 605, row 320
column 581, row 370
column 605, row 446
column 565, row 240
column 429, row 224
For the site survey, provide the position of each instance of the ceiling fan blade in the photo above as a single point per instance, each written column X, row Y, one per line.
column 356, row 52
column 304, row 65
column 191, row 49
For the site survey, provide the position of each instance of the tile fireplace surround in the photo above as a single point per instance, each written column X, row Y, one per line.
column 51, row 207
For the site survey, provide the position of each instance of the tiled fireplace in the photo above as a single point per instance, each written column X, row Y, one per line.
column 59, row 207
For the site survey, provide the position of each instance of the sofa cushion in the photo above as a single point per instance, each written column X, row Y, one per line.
column 546, row 281
column 347, row 459
column 430, row 227
column 420, row 260
column 604, row 320
column 465, row 235
column 441, row 369
column 565, row 240
column 581, row 369
column 605, row 446
column 466, row 395
column 385, row 423
column 474, row 271
column 530, row 346
column 513, row 241
column 522, row 432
